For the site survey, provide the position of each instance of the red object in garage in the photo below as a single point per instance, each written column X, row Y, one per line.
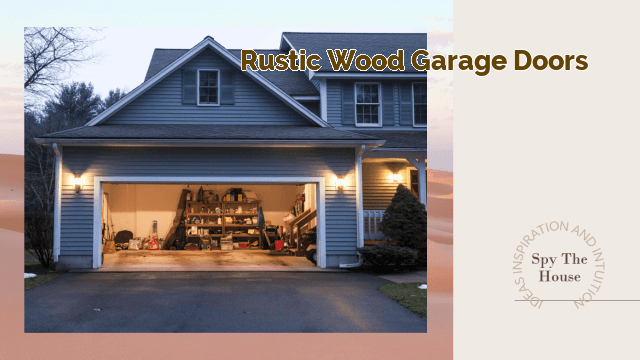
column 279, row 244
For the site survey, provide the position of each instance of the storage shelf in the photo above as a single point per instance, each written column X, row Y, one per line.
column 225, row 202
column 225, row 226
column 219, row 214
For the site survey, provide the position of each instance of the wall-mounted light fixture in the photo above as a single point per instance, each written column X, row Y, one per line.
column 340, row 183
column 396, row 177
column 77, row 182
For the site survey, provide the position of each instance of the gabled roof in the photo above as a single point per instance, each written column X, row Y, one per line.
column 208, row 42
column 238, row 135
column 366, row 43
column 294, row 83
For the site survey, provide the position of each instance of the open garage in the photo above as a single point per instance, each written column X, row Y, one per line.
column 208, row 226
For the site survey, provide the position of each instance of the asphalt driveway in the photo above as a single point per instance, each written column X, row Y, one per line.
column 216, row 302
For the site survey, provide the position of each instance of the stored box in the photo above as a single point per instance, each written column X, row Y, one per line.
column 226, row 247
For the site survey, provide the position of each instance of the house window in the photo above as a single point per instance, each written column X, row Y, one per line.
column 367, row 104
column 415, row 183
column 208, row 87
column 419, row 104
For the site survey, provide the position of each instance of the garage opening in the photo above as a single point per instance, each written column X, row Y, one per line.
column 210, row 226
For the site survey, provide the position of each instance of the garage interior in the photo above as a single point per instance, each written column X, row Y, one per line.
column 208, row 226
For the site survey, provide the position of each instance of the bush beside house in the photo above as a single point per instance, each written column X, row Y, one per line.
column 404, row 223
column 38, row 235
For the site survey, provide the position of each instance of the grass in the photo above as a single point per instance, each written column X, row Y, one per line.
column 408, row 295
column 381, row 270
column 39, row 280
column 33, row 266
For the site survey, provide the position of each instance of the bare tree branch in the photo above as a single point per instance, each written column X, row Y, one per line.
column 50, row 54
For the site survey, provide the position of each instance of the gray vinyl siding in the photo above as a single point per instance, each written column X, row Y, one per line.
column 77, row 210
column 313, row 106
column 334, row 104
column 162, row 104
column 377, row 189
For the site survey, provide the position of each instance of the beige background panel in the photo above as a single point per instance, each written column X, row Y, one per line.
column 536, row 146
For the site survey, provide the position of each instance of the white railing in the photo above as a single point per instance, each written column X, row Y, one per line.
column 372, row 219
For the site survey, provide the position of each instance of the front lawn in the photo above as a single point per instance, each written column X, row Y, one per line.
column 39, row 280
column 408, row 295
column 33, row 266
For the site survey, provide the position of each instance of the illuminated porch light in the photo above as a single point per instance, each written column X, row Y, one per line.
column 340, row 183
column 77, row 182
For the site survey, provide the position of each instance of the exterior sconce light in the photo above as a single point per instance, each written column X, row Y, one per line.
column 340, row 183
column 396, row 177
column 77, row 182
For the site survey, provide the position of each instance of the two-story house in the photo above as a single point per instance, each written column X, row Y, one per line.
column 344, row 139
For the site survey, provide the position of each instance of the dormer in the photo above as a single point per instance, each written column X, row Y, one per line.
column 373, row 99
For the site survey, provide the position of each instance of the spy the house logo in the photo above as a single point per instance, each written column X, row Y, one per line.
column 557, row 261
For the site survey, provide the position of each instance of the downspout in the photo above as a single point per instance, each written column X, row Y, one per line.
column 57, row 203
column 360, row 217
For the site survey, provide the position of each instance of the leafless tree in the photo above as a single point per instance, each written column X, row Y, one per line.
column 50, row 54
column 72, row 106
column 39, row 177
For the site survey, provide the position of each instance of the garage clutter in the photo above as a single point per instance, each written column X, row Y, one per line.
column 231, row 220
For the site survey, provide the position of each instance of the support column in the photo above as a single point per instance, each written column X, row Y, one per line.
column 421, row 165
column 359, row 202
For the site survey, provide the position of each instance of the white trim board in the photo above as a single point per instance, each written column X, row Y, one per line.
column 307, row 98
column 208, row 42
column 209, row 142
column 277, row 180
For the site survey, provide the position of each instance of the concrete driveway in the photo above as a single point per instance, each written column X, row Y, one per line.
column 236, row 260
column 216, row 302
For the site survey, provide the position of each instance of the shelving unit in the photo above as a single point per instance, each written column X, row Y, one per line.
column 224, row 227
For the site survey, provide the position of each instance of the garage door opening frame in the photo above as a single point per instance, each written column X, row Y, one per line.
column 157, row 180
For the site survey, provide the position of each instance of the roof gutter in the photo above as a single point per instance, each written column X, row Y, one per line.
column 207, row 142
column 400, row 149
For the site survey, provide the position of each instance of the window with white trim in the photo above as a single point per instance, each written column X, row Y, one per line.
column 208, row 87
column 367, row 104
column 419, row 104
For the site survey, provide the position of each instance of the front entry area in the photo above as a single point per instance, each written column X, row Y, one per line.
column 249, row 224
